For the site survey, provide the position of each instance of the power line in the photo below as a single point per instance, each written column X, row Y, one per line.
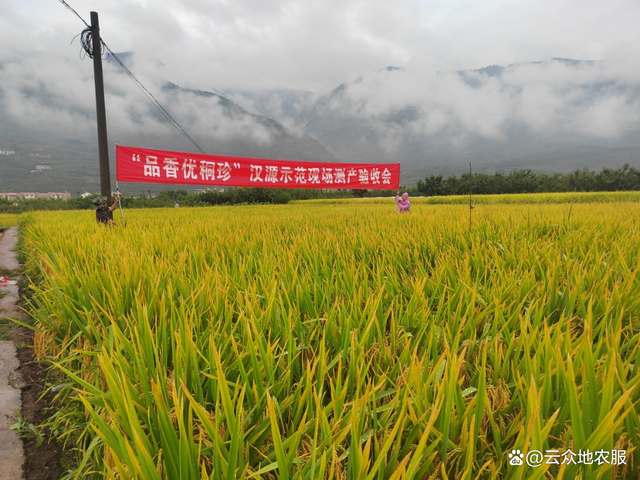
column 76, row 13
column 86, row 41
column 152, row 99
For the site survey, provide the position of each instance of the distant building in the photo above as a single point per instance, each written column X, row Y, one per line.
column 34, row 195
column 4, row 151
column 57, row 195
column 88, row 194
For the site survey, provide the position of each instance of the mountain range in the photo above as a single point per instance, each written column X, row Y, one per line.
column 555, row 115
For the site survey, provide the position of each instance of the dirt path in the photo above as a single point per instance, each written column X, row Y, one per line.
column 11, row 379
column 11, row 452
column 8, row 242
column 9, row 261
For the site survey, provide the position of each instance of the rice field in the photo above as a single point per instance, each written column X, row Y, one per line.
column 508, row 199
column 8, row 220
column 312, row 341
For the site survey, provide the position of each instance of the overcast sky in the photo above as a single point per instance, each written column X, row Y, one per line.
column 316, row 45
column 236, row 46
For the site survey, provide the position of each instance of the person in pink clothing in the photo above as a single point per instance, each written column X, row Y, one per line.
column 402, row 203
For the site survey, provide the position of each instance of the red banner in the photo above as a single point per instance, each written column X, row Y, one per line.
column 160, row 166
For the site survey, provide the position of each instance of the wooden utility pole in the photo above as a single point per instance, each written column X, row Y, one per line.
column 103, row 144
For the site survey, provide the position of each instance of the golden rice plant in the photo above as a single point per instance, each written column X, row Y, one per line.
column 343, row 341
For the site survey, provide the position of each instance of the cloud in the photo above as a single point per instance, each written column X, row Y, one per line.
column 544, row 98
column 258, row 51
column 316, row 44
column 285, row 106
column 32, row 95
column 213, row 118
